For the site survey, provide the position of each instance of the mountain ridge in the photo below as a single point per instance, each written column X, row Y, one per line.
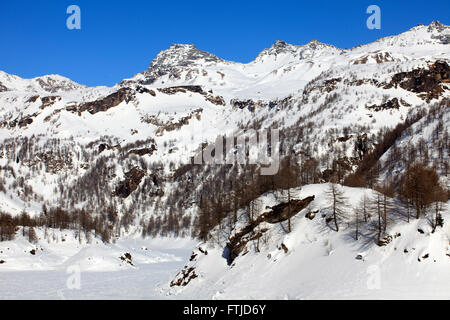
column 188, row 55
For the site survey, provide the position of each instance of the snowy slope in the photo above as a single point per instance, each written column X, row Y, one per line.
column 320, row 263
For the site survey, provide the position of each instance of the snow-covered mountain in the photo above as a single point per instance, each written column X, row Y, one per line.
column 122, row 154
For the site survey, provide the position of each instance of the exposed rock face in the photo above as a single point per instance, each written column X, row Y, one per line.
column 144, row 151
column 145, row 90
column 278, row 213
column 250, row 104
column 378, row 57
column 331, row 84
column 183, row 89
column 104, row 146
column 426, row 82
column 24, row 122
column 175, row 60
column 171, row 126
column 390, row 104
column 3, row 88
column 127, row 258
column 241, row 104
column 108, row 102
column 187, row 274
column 132, row 180
column 217, row 100
column 312, row 49
column 285, row 210
column 184, row 277
column 48, row 101
column 32, row 99
column 57, row 83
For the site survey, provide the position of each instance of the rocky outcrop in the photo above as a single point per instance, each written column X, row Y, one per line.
column 145, row 90
column 132, row 180
column 104, row 146
column 187, row 274
column 32, row 99
column 378, row 57
column 426, row 82
column 279, row 213
column 25, row 121
column 143, row 151
column 182, row 89
column 241, row 104
column 388, row 105
column 171, row 126
column 3, row 88
column 217, row 100
column 108, row 102
column 126, row 257
column 173, row 61
column 286, row 210
column 184, row 277
column 49, row 101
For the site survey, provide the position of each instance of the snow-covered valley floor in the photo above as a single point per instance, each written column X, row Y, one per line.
column 156, row 261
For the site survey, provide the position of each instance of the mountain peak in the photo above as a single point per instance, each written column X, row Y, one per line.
column 182, row 55
column 311, row 49
column 438, row 26
column 280, row 44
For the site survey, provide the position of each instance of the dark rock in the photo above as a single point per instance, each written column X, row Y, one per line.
column 145, row 90
column 193, row 256
column 25, row 121
column 426, row 82
column 237, row 243
column 284, row 211
column 184, row 277
column 144, row 151
column 32, row 99
column 127, row 258
column 311, row 215
column 390, row 104
column 3, row 88
column 217, row 100
column 103, row 146
column 48, row 101
column 132, row 180
column 182, row 89
column 108, row 102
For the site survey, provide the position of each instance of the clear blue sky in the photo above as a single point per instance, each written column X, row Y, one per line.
column 120, row 38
